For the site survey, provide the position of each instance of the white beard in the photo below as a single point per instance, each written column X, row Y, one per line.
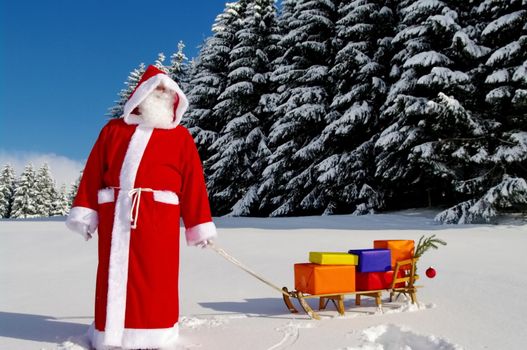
column 157, row 109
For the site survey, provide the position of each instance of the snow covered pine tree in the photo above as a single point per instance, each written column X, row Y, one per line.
column 234, row 176
column 301, row 107
column 498, row 181
column 7, row 190
column 209, row 78
column 345, row 169
column 24, row 201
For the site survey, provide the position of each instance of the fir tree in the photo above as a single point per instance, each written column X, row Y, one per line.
column 496, row 181
column 209, row 78
column 45, row 187
column 301, row 107
column 179, row 69
column 344, row 174
column 233, row 179
column 24, row 202
column 73, row 191
column 427, row 123
column 60, row 205
column 160, row 62
column 7, row 190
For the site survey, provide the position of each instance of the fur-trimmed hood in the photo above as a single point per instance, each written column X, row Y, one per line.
column 151, row 78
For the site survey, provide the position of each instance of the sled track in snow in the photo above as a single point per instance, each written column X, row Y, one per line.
column 291, row 335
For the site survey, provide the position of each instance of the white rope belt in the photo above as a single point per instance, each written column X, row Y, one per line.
column 135, row 194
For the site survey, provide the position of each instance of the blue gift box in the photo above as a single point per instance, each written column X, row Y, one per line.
column 373, row 260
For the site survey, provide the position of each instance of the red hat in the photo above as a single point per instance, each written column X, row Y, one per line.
column 151, row 78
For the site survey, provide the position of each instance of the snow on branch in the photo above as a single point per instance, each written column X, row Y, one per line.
column 508, row 52
column 427, row 59
column 505, row 21
column 462, row 41
column 517, row 152
column 509, row 192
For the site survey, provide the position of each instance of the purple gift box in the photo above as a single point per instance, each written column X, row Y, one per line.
column 373, row 260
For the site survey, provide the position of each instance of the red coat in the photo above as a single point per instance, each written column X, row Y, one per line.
column 136, row 297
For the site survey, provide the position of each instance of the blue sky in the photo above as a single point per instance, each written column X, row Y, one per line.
column 63, row 63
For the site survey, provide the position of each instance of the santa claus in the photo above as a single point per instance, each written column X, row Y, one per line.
column 143, row 173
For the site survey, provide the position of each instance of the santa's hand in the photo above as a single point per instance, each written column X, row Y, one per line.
column 204, row 243
column 80, row 227
column 87, row 232
column 88, row 235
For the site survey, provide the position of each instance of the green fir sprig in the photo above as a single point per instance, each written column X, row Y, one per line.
column 426, row 243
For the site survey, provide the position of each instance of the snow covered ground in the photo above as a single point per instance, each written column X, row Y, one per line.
column 477, row 300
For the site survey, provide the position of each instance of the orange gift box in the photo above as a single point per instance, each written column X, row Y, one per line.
column 324, row 279
column 401, row 249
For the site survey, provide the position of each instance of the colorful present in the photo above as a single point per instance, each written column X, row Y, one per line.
column 401, row 249
column 373, row 260
column 324, row 279
column 330, row 258
column 376, row 280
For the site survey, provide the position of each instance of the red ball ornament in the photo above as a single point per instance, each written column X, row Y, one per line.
column 430, row 272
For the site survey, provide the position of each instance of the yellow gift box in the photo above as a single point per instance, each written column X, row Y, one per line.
column 333, row 258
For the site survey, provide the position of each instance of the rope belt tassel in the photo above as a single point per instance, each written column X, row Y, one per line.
column 135, row 194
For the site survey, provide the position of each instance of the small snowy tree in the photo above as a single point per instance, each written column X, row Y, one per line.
column 24, row 203
column 60, row 205
column 7, row 190
column 160, row 62
column 73, row 190
column 45, row 187
column 179, row 68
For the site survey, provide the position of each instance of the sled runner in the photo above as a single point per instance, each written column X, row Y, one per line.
column 336, row 299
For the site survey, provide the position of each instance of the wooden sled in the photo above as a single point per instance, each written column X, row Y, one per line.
column 336, row 298
column 402, row 285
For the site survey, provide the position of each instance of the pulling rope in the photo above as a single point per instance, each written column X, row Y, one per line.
column 236, row 262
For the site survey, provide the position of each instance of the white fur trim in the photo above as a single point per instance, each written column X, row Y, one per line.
column 169, row 197
column 105, row 195
column 83, row 220
column 147, row 87
column 198, row 233
column 119, row 251
column 159, row 338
